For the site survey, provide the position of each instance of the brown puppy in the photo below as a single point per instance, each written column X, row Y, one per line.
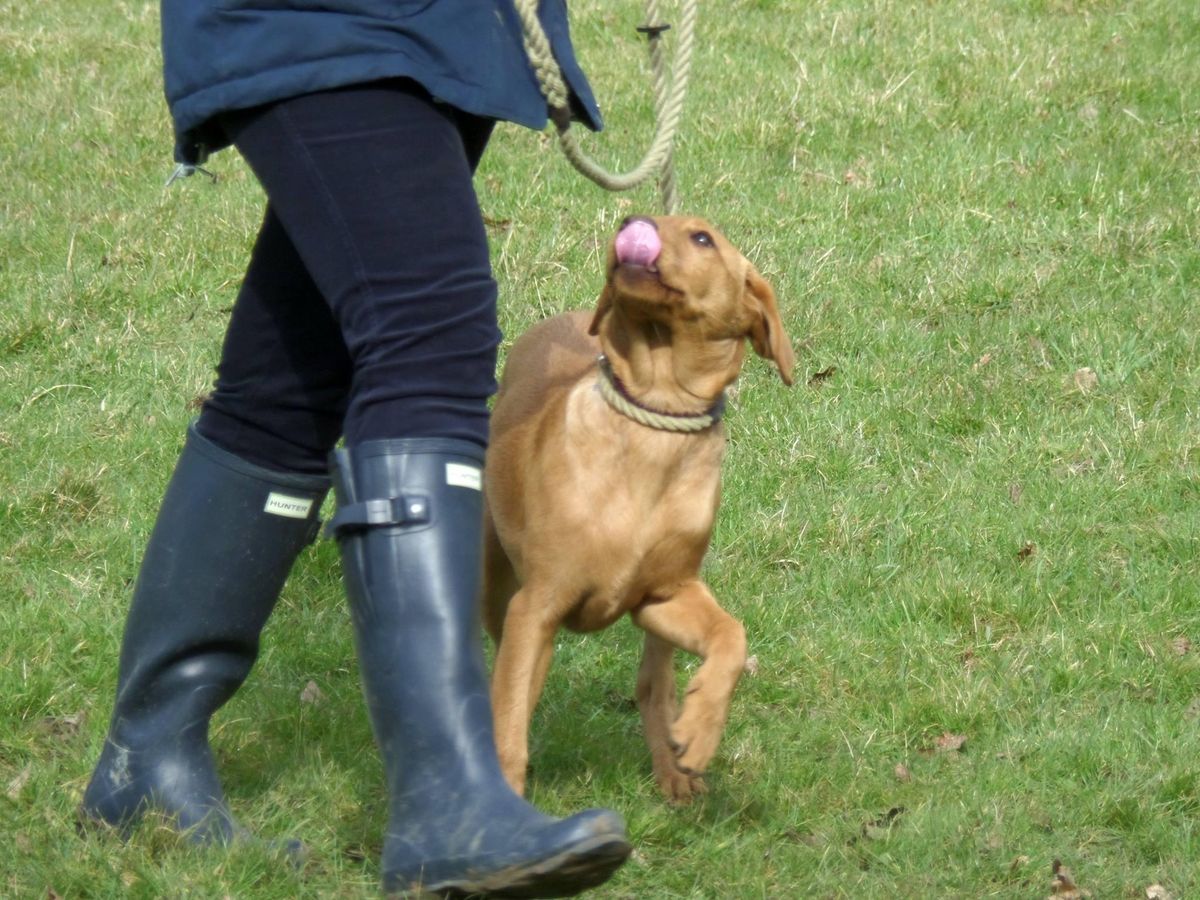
column 603, row 478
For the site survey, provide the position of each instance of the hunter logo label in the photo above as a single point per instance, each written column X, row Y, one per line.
column 460, row 475
column 289, row 507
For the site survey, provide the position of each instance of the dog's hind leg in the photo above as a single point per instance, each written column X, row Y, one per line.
column 499, row 581
column 690, row 618
column 522, row 663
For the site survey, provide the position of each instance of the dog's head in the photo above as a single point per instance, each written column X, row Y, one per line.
column 676, row 281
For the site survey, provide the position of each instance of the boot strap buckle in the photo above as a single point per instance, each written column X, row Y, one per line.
column 407, row 509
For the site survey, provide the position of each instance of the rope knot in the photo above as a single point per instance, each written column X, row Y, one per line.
column 668, row 103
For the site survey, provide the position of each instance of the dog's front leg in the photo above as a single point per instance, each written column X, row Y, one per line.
column 522, row 663
column 658, row 703
column 690, row 618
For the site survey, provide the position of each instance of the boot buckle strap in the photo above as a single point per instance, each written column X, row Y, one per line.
column 407, row 509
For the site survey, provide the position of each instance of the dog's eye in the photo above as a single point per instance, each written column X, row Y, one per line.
column 703, row 239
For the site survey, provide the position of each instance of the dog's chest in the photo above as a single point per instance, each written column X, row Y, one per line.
column 646, row 480
column 643, row 504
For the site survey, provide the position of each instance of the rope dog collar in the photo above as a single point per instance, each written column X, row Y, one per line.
column 619, row 399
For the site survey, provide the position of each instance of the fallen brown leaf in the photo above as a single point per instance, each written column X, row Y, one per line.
column 1082, row 467
column 1027, row 551
column 878, row 829
column 819, row 378
column 1181, row 645
column 950, row 743
column 902, row 774
column 1085, row 379
column 311, row 694
column 62, row 727
column 1063, row 884
column 1193, row 709
column 18, row 783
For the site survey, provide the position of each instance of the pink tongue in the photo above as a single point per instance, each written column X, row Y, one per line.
column 638, row 243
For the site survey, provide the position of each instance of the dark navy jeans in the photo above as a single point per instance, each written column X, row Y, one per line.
column 368, row 308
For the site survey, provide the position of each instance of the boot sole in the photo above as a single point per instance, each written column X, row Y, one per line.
column 584, row 866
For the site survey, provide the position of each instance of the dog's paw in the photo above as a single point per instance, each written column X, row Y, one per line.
column 679, row 787
column 694, row 742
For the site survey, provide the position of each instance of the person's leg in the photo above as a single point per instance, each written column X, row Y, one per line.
column 284, row 373
column 243, row 502
column 408, row 523
column 373, row 186
column 475, row 133
column 241, row 505
column 225, row 539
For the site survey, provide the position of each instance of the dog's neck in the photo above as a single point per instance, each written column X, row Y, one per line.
column 676, row 370
column 666, row 377
column 618, row 397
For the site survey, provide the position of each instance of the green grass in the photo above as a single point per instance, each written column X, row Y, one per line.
column 961, row 206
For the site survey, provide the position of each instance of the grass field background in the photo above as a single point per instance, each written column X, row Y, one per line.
column 966, row 546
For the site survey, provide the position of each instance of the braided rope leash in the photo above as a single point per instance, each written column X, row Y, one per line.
column 668, row 102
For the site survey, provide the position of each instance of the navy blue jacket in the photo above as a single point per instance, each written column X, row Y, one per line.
column 221, row 55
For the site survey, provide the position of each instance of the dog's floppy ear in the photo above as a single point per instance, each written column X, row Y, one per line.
column 766, row 335
column 603, row 305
